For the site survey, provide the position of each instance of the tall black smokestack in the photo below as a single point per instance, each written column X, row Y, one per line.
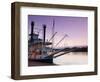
column 44, row 33
column 32, row 30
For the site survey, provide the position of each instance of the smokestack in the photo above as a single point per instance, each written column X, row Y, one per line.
column 44, row 33
column 32, row 30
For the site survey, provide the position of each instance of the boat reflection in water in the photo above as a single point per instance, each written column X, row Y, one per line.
column 73, row 58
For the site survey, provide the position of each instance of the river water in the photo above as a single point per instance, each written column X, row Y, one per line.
column 73, row 58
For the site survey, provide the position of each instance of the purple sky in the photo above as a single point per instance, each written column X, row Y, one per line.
column 74, row 27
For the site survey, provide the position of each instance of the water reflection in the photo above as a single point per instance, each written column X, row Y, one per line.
column 73, row 58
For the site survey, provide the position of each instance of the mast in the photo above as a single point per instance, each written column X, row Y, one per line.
column 53, row 34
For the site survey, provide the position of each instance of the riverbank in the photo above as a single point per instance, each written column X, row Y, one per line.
column 74, row 49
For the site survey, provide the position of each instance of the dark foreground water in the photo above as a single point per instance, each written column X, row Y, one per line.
column 73, row 58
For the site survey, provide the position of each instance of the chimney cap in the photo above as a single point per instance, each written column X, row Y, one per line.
column 32, row 23
column 44, row 25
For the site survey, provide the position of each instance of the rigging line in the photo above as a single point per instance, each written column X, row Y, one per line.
column 61, row 40
column 53, row 36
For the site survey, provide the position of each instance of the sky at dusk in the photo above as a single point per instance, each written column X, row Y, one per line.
column 75, row 27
